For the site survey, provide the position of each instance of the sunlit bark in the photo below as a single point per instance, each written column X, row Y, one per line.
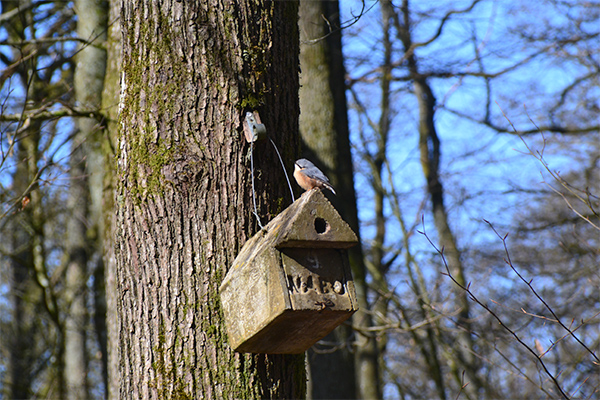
column 183, row 196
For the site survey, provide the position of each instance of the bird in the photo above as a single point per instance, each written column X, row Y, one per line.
column 310, row 177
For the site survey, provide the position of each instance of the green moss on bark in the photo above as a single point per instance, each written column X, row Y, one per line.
column 153, row 106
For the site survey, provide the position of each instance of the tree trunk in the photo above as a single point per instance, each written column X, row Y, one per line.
column 462, row 353
column 429, row 146
column 110, row 101
column 25, row 294
column 89, row 85
column 75, row 293
column 86, row 173
column 190, row 72
column 325, row 137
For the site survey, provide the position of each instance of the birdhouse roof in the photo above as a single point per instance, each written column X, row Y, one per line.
column 311, row 221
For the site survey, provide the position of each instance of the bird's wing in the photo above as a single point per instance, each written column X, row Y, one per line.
column 315, row 173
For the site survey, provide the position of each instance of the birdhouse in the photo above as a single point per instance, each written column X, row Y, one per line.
column 291, row 283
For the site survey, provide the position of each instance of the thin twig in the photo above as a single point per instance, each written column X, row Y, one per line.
column 528, row 283
column 486, row 307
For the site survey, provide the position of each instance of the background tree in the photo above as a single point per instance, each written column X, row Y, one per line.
column 33, row 334
column 84, row 226
column 46, row 200
column 190, row 71
column 350, row 360
column 110, row 106
column 439, row 71
column 461, row 355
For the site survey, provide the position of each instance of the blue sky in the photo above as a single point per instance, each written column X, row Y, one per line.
column 477, row 162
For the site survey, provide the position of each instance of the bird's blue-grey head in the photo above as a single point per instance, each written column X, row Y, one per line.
column 304, row 163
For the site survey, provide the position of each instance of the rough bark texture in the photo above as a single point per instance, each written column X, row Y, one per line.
column 325, row 137
column 190, row 72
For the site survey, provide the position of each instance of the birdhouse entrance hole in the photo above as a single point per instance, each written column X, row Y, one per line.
column 321, row 226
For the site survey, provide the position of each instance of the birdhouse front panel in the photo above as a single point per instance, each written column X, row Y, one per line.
column 315, row 280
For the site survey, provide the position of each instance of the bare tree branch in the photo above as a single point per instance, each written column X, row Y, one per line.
column 473, row 297
column 530, row 286
column 45, row 114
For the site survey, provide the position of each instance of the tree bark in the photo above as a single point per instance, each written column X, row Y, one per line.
column 326, row 140
column 190, row 72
